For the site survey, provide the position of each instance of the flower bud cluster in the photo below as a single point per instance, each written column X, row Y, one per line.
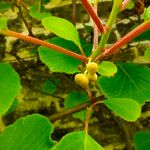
column 83, row 80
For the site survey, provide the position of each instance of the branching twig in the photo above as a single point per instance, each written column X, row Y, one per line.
column 124, row 40
column 67, row 112
column 75, row 109
column 25, row 21
column 113, row 15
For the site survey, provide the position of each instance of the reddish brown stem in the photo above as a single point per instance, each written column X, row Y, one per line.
column 125, row 4
column 124, row 40
column 93, row 15
column 44, row 43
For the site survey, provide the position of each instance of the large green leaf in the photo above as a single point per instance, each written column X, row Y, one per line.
column 107, row 68
column 75, row 98
column 58, row 62
column 131, row 81
column 142, row 140
column 127, row 109
column 77, row 141
column 9, row 86
column 62, row 28
column 29, row 133
column 13, row 106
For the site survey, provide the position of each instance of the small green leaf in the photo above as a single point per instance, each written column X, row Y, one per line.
column 30, row 133
column 62, row 28
column 75, row 98
column 38, row 15
column 127, row 109
column 107, row 68
column 142, row 140
column 147, row 54
column 131, row 81
column 77, row 141
column 147, row 14
column 58, row 62
column 9, row 86
column 3, row 23
column 131, row 4
column 49, row 87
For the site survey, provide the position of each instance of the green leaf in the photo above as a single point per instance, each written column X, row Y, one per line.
column 107, row 68
column 30, row 133
column 3, row 23
column 75, row 98
column 127, row 109
column 147, row 14
column 58, row 62
column 45, row 1
column 9, row 86
column 144, row 36
column 87, row 49
column 77, row 141
column 4, row 6
column 49, row 87
column 131, row 5
column 147, row 54
column 13, row 106
column 34, row 12
column 131, row 81
column 62, row 28
column 142, row 140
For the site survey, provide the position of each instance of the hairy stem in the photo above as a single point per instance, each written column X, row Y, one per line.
column 44, row 43
column 124, row 40
column 105, row 36
column 93, row 15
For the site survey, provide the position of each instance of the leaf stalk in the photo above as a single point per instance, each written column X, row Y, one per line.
column 43, row 43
